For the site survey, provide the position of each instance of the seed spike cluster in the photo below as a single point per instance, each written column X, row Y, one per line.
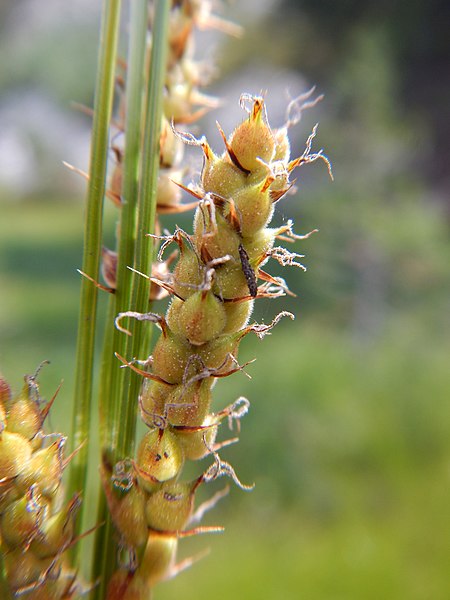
column 36, row 526
column 213, row 285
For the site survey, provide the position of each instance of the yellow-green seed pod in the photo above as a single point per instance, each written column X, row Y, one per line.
column 253, row 139
column 188, row 273
column 158, row 558
column 254, row 207
column 24, row 414
column 170, row 356
column 152, row 399
column 189, row 404
column 44, row 468
column 230, row 281
column 216, row 354
column 170, row 508
column 57, row 531
column 198, row 443
column 201, row 318
column 220, row 176
column 15, row 452
column 159, row 455
column 259, row 244
column 127, row 508
column 237, row 314
column 22, row 519
column 24, row 568
column 213, row 236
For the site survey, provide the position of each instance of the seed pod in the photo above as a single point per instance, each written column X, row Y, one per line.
column 57, row 531
column 24, row 568
column 170, row 357
column 201, row 318
column 220, row 176
column 230, row 281
column 15, row 452
column 259, row 245
column 159, row 455
column 189, row 404
column 152, row 399
column 169, row 508
column 187, row 276
column 213, row 236
column 198, row 442
column 237, row 315
column 158, row 558
column 44, row 468
column 253, row 139
column 216, row 353
column 24, row 413
column 254, row 207
column 127, row 508
column 21, row 520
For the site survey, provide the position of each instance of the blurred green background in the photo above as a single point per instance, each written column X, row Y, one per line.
column 348, row 436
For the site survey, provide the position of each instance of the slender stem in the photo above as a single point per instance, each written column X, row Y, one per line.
column 146, row 213
column 117, row 378
column 92, row 244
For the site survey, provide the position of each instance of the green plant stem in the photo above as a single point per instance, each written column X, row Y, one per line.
column 132, row 291
column 146, row 213
column 92, row 245
column 114, row 378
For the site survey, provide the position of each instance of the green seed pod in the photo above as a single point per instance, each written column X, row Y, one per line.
column 220, row 176
column 230, row 281
column 237, row 314
column 170, row 508
column 201, row 318
column 259, row 244
column 57, row 531
column 24, row 414
column 253, row 139
column 24, row 568
column 44, row 468
column 216, row 353
column 15, row 452
column 22, row 519
column 189, row 404
column 158, row 558
column 197, row 443
column 254, row 207
column 159, row 456
column 127, row 508
column 152, row 398
column 188, row 274
column 170, row 356
column 213, row 236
